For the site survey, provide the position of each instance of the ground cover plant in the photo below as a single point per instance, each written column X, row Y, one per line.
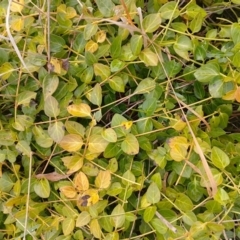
column 119, row 119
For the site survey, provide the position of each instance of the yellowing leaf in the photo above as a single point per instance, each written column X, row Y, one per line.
column 68, row 191
column 100, row 36
column 88, row 198
column 79, row 110
column 95, row 228
column 68, row 226
column 127, row 125
column 148, row 57
column 83, row 219
column 103, row 179
column 109, row 134
column 71, row 12
column 81, row 182
column 91, row 46
column 97, row 144
column 42, row 188
column 6, row 70
column 17, row 6
column 17, row 24
column 73, row 163
column 178, row 148
column 130, row 145
column 71, row 142
column 118, row 216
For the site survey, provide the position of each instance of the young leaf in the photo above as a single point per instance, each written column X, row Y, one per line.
column 118, row 216
column 71, row 142
column 153, row 193
column 130, row 145
column 219, row 158
column 103, row 179
column 42, row 188
column 81, row 182
column 79, row 110
column 83, row 219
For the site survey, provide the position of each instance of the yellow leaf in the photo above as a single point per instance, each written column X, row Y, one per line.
column 127, row 125
column 91, row 46
column 100, row 36
column 71, row 142
column 68, row 191
column 17, row 6
column 237, row 95
column 71, row 12
column 79, row 110
column 103, row 179
column 17, row 24
column 178, row 148
column 230, row 95
column 55, row 65
column 6, row 70
column 81, row 182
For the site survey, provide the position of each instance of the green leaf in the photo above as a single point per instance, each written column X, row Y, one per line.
column 51, row 107
column 145, row 86
column 25, row 97
column 145, row 125
column 189, row 218
column 199, row 90
column 111, row 150
column 149, row 213
column 6, row 183
column 219, row 158
column 42, row 188
column 87, row 75
column 57, row 43
column 151, row 22
column 90, row 58
column 183, row 202
column 117, row 84
column 149, row 57
column 56, row 131
column 153, row 193
column 222, row 196
column 200, row 53
column 169, row 10
column 24, row 148
column 207, row 72
column 83, row 219
column 68, row 226
column 118, row 216
column 216, row 87
column 79, row 43
column 159, row 226
column 105, row 7
column 136, row 44
column 117, row 125
column 130, row 145
column 116, row 47
column 235, row 33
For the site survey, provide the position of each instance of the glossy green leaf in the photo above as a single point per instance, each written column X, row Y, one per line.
column 219, row 158
column 207, row 72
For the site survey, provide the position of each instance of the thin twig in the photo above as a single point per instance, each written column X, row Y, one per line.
column 165, row 221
